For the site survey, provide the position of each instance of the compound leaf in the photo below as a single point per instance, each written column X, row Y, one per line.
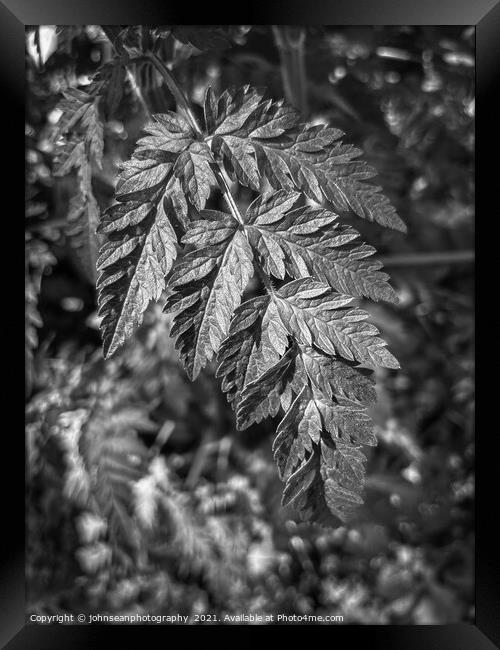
column 303, row 348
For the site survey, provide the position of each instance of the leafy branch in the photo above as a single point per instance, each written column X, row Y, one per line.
column 302, row 346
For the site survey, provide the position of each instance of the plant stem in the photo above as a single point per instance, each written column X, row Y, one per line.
column 290, row 40
column 179, row 96
column 439, row 258
column 135, row 87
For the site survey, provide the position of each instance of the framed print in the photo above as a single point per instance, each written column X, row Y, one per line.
column 250, row 322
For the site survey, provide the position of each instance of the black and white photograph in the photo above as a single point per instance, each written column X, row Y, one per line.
column 249, row 324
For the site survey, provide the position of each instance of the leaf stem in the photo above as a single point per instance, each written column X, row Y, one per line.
column 220, row 174
column 184, row 104
column 264, row 278
column 224, row 186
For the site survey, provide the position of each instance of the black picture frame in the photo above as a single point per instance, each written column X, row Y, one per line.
column 485, row 16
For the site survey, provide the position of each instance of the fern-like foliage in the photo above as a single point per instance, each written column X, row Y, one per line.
column 303, row 346
column 85, row 441
column 114, row 459
column 80, row 138
column 81, row 109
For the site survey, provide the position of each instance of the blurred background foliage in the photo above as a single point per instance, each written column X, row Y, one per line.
column 141, row 496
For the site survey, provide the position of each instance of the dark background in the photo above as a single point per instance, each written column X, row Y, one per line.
column 406, row 96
